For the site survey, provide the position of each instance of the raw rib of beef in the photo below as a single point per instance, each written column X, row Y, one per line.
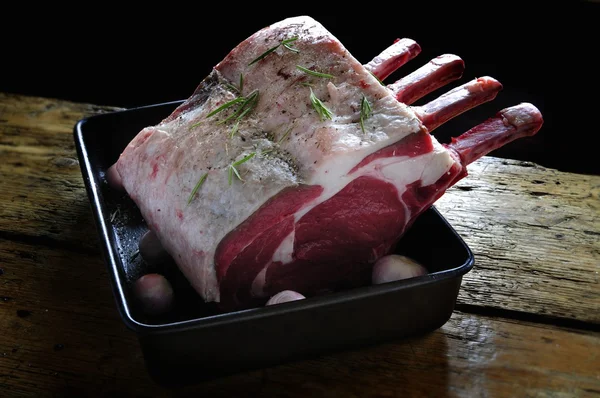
column 293, row 167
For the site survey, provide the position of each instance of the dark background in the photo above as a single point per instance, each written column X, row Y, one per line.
column 541, row 54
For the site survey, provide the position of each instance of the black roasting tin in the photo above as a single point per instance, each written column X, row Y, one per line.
column 195, row 342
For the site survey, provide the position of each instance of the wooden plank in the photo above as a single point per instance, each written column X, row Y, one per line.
column 535, row 233
column 61, row 336
column 41, row 190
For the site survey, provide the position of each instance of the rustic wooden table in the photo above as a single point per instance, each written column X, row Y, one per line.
column 527, row 321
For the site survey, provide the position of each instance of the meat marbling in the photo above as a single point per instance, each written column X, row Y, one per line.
column 320, row 196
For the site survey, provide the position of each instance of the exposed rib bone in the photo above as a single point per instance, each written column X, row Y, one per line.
column 428, row 78
column 508, row 125
column 393, row 57
column 457, row 101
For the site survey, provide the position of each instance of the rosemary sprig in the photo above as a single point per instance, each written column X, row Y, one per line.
column 233, row 88
column 314, row 73
column 234, row 129
column 284, row 43
column 321, row 109
column 198, row 185
column 264, row 154
column 248, row 103
column 233, row 170
column 244, row 160
column 240, row 87
column 365, row 112
column 269, row 51
column 230, row 174
column 285, row 134
column 195, row 125
column 114, row 214
column 225, row 106
column 379, row 80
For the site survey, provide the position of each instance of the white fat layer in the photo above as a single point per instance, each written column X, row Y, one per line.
column 402, row 171
column 284, row 252
column 333, row 176
column 258, row 284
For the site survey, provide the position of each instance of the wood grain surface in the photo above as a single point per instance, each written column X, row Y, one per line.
column 535, row 233
column 62, row 334
column 41, row 189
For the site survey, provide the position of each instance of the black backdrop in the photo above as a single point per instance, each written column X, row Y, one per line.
column 541, row 54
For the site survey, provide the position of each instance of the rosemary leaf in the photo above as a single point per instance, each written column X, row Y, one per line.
column 321, row 109
column 379, row 80
column 285, row 43
column 234, row 129
column 292, row 49
column 241, row 84
column 112, row 216
column 198, row 184
column 312, row 72
column 232, row 167
column 249, row 101
column 237, row 174
column 269, row 51
column 233, row 88
column 365, row 112
column 245, row 159
column 225, row 106
column 249, row 105
column 285, row 134
column 195, row 125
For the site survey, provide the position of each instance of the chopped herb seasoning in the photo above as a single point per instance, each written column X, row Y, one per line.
column 225, row 106
column 233, row 170
column 248, row 104
column 379, row 80
column 198, row 185
column 314, row 73
column 234, row 129
column 285, row 134
column 321, row 109
column 285, row 43
column 195, row 125
column 365, row 112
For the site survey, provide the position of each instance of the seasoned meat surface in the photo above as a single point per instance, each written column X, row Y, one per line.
column 291, row 167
